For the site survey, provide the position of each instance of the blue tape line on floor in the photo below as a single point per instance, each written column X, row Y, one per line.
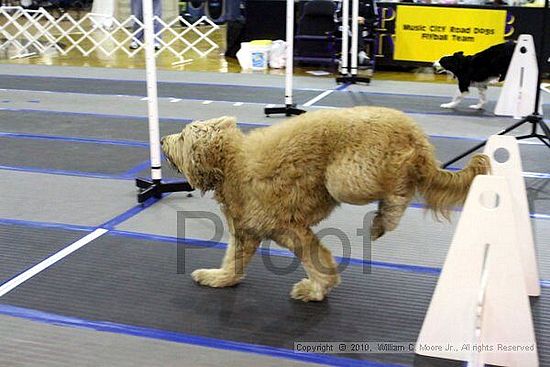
column 285, row 253
column 182, row 83
column 423, row 206
column 143, row 165
column 121, row 117
column 273, row 252
column 342, row 87
column 190, row 84
column 132, row 172
column 64, row 172
column 220, row 245
column 58, row 320
column 470, row 98
column 128, row 176
column 186, row 121
column 28, row 223
column 137, row 144
column 112, row 223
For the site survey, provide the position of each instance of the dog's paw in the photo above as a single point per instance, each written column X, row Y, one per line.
column 377, row 228
column 476, row 106
column 448, row 105
column 306, row 290
column 376, row 232
column 216, row 278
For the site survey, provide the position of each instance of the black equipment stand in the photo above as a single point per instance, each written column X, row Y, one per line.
column 287, row 110
column 352, row 79
column 155, row 188
column 535, row 119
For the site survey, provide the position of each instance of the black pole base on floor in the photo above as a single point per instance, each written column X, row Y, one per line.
column 155, row 188
column 352, row 79
column 288, row 110
column 535, row 120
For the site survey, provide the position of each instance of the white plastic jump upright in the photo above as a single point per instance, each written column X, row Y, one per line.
column 290, row 108
column 509, row 166
column 480, row 305
column 344, row 66
column 152, row 97
column 348, row 68
column 289, row 52
column 153, row 188
column 354, row 35
column 518, row 94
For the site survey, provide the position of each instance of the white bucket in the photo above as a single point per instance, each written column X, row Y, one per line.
column 243, row 55
column 259, row 56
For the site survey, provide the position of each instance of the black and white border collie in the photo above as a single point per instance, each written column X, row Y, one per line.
column 476, row 71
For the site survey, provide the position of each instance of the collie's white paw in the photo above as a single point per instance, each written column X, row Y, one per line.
column 449, row 105
column 478, row 106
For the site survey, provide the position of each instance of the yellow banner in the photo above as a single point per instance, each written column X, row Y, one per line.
column 426, row 33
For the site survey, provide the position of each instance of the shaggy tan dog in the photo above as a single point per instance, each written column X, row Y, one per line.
column 277, row 182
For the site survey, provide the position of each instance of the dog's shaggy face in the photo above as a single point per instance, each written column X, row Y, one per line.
column 449, row 64
column 197, row 151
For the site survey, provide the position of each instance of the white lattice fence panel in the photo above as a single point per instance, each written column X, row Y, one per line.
column 25, row 29
column 37, row 31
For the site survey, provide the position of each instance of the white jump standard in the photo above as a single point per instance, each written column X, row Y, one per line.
column 154, row 187
column 290, row 108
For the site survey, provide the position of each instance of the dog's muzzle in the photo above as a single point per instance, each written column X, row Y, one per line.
column 438, row 69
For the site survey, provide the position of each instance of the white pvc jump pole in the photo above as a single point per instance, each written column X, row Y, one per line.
column 152, row 98
column 349, row 74
column 289, row 51
column 345, row 40
column 354, row 35
column 154, row 187
column 289, row 109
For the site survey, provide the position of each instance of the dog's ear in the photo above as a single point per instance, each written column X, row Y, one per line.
column 204, row 150
column 459, row 53
column 224, row 122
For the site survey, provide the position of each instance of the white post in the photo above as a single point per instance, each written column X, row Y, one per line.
column 354, row 35
column 152, row 102
column 289, row 51
column 345, row 39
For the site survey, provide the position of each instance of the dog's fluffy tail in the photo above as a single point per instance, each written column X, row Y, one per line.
column 444, row 189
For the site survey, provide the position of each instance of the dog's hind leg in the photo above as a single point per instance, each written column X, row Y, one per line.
column 237, row 256
column 390, row 211
column 317, row 261
column 459, row 96
column 482, row 98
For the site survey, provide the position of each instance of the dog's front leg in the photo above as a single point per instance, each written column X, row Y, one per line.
column 317, row 261
column 482, row 98
column 459, row 96
column 237, row 256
